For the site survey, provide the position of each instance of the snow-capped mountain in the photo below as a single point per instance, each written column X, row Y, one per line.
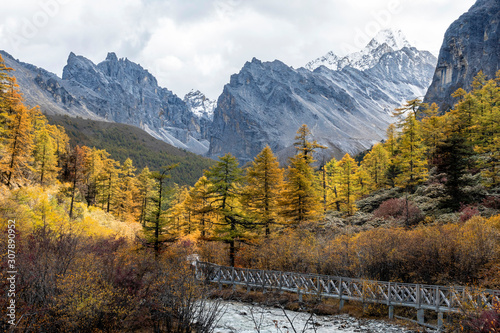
column 346, row 110
column 200, row 105
column 385, row 41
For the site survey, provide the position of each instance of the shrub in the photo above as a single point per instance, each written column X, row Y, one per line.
column 467, row 212
column 402, row 210
column 486, row 322
column 492, row 201
column 375, row 199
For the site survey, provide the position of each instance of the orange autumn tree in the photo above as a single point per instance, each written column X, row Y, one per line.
column 17, row 136
column 264, row 180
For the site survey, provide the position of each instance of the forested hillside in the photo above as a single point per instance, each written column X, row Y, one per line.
column 126, row 141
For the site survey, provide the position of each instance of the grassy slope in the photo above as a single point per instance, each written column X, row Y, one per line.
column 125, row 141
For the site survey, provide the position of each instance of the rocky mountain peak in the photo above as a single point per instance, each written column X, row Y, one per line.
column 112, row 57
column 395, row 39
column 200, row 105
column 83, row 70
column 385, row 41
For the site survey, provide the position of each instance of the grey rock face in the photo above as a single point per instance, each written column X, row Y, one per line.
column 116, row 90
column 347, row 110
column 471, row 44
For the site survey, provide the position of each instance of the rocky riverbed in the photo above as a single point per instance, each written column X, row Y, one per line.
column 248, row 318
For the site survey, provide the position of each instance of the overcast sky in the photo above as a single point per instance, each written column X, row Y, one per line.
column 198, row 44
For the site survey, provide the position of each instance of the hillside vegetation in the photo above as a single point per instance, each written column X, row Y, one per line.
column 126, row 141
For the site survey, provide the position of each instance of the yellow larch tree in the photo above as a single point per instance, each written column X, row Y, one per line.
column 375, row 164
column 264, row 183
column 198, row 205
column 348, row 183
column 301, row 196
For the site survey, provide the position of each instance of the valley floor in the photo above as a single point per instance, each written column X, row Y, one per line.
column 252, row 318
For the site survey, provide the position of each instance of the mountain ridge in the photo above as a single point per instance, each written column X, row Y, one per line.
column 115, row 90
column 387, row 40
column 245, row 117
column 347, row 110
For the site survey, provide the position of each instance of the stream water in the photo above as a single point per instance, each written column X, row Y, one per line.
column 248, row 318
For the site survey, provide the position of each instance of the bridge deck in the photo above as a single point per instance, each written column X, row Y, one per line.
column 419, row 296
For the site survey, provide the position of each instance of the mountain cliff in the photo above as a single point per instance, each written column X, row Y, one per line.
column 471, row 44
column 115, row 90
column 347, row 110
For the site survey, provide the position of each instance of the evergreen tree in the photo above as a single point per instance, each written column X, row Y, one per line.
column 411, row 157
column 157, row 221
column 264, row 181
column 349, row 184
column 93, row 166
column 225, row 179
column 110, row 184
column 485, row 130
column 453, row 159
column 180, row 216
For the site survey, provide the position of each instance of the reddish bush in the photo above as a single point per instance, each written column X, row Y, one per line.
column 466, row 212
column 492, row 201
column 486, row 322
column 401, row 209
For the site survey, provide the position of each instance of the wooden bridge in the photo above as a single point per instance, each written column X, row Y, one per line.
column 422, row 297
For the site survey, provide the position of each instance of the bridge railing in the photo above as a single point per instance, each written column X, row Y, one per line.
column 419, row 296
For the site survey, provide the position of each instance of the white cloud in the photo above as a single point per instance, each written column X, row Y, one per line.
column 200, row 43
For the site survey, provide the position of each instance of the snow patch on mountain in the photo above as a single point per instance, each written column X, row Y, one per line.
column 385, row 41
column 200, row 105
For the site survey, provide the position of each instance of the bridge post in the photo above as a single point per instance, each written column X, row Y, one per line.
column 420, row 316
column 263, row 282
column 420, row 311
column 341, row 303
column 437, row 299
column 440, row 320
column 418, row 296
column 220, row 275
column 391, row 307
column 281, row 283
column 318, row 286
column 248, row 280
column 233, row 287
